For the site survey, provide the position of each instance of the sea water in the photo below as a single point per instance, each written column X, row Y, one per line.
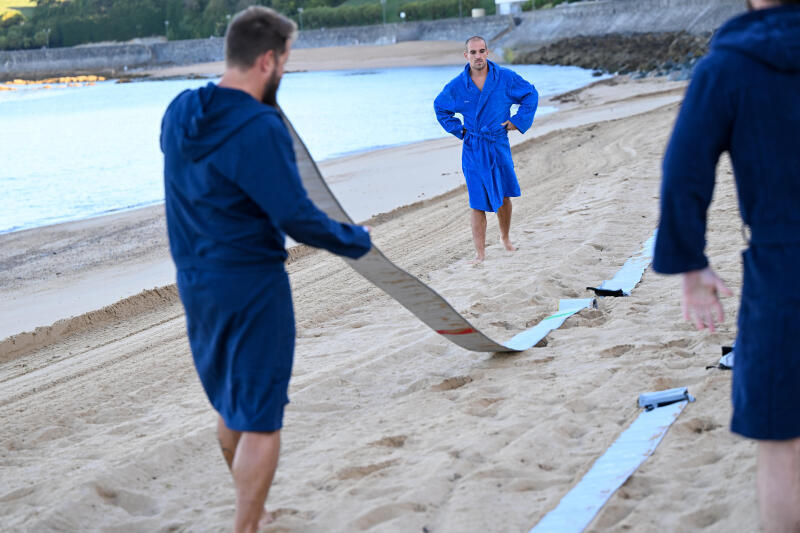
column 69, row 153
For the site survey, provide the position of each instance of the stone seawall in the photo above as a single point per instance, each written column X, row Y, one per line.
column 519, row 34
column 429, row 30
column 602, row 17
column 112, row 59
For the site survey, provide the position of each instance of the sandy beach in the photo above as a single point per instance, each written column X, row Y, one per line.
column 391, row 428
column 406, row 54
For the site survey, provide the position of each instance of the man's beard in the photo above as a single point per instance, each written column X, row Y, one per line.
column 270, row 96
column 749, row 5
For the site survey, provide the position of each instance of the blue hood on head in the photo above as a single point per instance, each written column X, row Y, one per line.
column 770, row 36
column 201, row 120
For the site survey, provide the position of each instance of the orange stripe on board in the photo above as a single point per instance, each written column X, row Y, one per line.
column 465, row 331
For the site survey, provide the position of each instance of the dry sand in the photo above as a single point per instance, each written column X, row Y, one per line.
column 392, row 428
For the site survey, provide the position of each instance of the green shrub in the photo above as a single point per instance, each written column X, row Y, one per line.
column 439, row 9
column 329, row 17
column 14, row 38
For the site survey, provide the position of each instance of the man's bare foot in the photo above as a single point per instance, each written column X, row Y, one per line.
column 510, row 247
column 477, row 260
column 266, row 518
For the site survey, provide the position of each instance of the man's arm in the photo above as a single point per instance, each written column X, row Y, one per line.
column 444, row 107
column 701, row 134
column 525, row 94
column 276, row 187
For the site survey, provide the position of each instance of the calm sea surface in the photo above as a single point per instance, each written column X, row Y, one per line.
column 70, row 153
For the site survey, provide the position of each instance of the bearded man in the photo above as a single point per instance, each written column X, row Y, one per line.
column 232, row 192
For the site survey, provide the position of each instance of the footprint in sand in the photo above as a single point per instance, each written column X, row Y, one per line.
column 587, row 318
column 614, row 513
column 580, row 406
column 479, row 307
column 133, row 503
column 701, row 425
column 702, row 459
column 616, row 351
column 452, row 383
column 572, row 431
column 17, row 494
column 288, row 511
column 677, row 343
column 385, row 513
column 396, row 441
column 484, row 406
column 662, row 383
column 505, row 325
column 704, row 517
column 358, row 472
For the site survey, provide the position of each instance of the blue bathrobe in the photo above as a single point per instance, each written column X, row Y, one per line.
column 232, row 191
column 744, row 98
column 486, row 154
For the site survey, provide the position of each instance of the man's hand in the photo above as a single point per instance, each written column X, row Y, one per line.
column 508, row 125
column 701, row 290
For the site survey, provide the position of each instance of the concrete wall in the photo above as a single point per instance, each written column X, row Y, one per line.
column 602, row 17
column 521, row 32
column 112, row 58
column 430, row 30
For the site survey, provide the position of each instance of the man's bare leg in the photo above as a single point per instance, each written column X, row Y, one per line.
column 779, row 485
column 504, row 219
column 228, row 442
column 478, row 223
column 253, row 470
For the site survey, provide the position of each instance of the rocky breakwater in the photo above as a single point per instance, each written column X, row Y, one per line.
column 666, row 53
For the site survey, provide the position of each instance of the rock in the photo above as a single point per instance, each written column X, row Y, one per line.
column 662, row 53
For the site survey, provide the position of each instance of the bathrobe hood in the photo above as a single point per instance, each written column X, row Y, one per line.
column 202, row 120
column 231, row 186
column 769, row 36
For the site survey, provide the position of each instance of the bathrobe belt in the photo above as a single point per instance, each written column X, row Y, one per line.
column 485, row 156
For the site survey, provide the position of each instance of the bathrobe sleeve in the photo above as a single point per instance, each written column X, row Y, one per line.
column 525, row 94
column 445, row 106
column 702, row 132
column 267, row 172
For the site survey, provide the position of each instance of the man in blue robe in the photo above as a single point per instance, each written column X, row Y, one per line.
column 483, row 94
column 232, row 191
column 744, row 98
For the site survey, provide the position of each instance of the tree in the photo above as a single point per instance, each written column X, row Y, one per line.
column 215, row 16
column 14, row 38
column 40, row 38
